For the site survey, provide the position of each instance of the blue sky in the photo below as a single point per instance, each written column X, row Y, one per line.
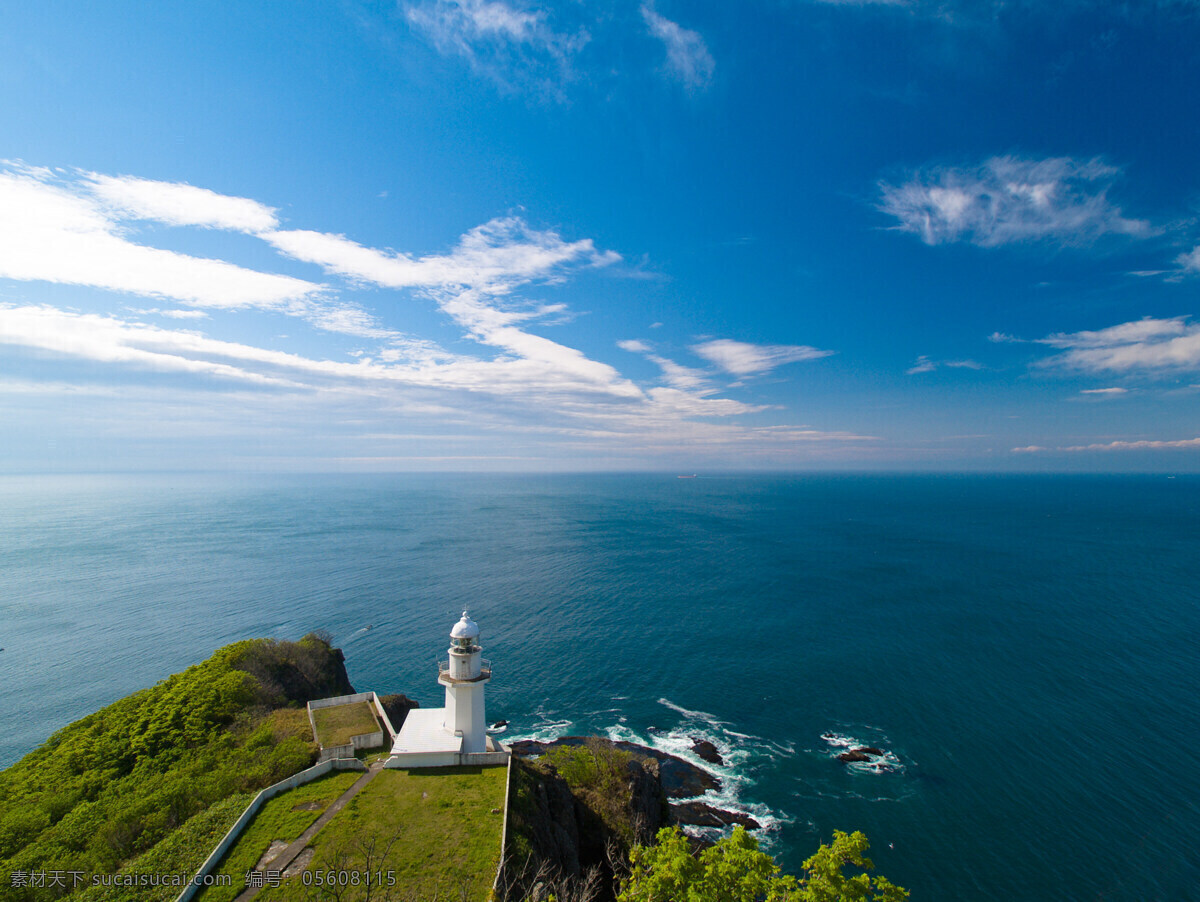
column 494, row 234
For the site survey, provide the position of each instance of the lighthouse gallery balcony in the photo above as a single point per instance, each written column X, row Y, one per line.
column 485, row 671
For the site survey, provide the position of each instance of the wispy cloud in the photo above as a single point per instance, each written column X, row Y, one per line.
column 744, row 359
column 1103, row 391
column 925, row 365
column 688, row 58
column 634, row 346
column 53, row 230
column 1010, row 200
column 1188, row 263
column 1141, row 445
column 1147, row 345
column 81, row 228
column 495, row 257
column 179, row 204
column 675, row 374
column 512, row 46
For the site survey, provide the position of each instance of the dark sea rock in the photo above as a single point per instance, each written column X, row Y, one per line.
column 397, row 707
column 706, row 751
column 700, row 814
column 864, row 753
column 681, row 779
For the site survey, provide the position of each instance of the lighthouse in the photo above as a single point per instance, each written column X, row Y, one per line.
column 465, row 675
column 457, row 733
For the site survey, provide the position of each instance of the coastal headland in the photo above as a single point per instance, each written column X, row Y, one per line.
column 128, row 802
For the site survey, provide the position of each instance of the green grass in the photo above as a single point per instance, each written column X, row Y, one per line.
column 336, row 725
column 182, row 852
column 103, row 792
column 598, row 774
column 446, row 840
column 277, row 819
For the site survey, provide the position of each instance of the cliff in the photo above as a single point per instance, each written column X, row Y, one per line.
column 574, row 812
column 579, row 803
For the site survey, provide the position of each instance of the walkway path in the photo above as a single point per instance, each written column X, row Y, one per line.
column 281, row 861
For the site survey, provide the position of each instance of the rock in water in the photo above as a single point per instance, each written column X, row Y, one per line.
column 699, row 814
column 706, row 751
column 863, row 753
column 397, row 708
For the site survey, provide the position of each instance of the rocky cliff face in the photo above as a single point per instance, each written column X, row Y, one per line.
column 577, row 804
column 574, row 813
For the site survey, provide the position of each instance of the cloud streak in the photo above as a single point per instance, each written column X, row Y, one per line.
column 513, row 47
column 689, row 61
column 1147, row 345
column 1011, row 200
column 55, row 232
column 1141, row 445
column 744, row 359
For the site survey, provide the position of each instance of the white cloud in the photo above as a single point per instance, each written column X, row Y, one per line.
column 679, row 376
column 50, row 232
column 1188, row 263
column 494, row 257
column 743, row 359
column 688, row 58
column 676, row 375
column 73, row 228
column 513, row 47
column 179, row 204
column 1142, row 345
column 1008, row 200
column 923, row 365
column 1103, row 391
column 1142, row 445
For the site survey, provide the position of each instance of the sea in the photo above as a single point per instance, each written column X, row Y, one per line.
column 1023, row 649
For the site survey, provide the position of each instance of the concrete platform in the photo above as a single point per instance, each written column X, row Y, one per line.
column 423, row 741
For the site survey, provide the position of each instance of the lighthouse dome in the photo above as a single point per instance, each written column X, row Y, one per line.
column 465, row 628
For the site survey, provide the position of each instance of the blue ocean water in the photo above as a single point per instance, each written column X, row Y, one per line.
column 1024, row 647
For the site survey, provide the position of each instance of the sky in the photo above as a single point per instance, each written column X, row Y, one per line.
column 515, row 235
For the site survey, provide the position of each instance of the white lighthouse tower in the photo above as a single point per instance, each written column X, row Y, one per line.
column 457, row 733
column 465, row 675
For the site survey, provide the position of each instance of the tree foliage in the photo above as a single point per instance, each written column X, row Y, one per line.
column 735, row 870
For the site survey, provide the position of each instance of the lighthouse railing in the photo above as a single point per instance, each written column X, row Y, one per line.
column 485, row 667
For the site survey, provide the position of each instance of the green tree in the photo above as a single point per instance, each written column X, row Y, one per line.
column 736, row 870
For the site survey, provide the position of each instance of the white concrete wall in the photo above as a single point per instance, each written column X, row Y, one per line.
column 424, row 759
column 468, row 714
column 227, row 841
column 503, row 832
column 362, row 740
column 382, row 715
column 341, row 700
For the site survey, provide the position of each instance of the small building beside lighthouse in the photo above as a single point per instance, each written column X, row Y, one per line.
column 457, row 733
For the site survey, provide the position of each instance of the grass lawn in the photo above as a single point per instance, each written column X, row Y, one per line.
column 278, row 819
column 446, row 840
column 336, row 725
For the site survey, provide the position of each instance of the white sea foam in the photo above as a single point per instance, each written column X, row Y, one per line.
column 698, row 715
column 742, row 754
column 887, row 763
